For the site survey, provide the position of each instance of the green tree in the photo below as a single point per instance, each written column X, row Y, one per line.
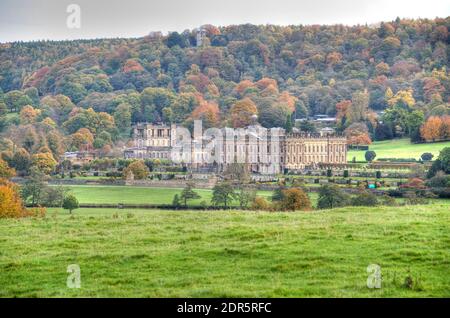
column 70, row 203
column 331, row 196
column 223, row 194
column 288, row 125
column 365, row 198
column 244, row 196
column 176, row 201
column 34, row 189
column 188, row 193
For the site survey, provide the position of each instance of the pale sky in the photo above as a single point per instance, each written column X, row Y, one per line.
column 27, row 20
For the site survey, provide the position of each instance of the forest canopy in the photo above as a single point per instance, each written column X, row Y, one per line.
column 380, row 82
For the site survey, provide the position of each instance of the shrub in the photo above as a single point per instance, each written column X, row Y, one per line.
column 346, row 174
column 427, row 156
column 365, row 198
column 378, row 174
column 370, row 155
column 261, row 204
column 329, row 173
column 388, row 201
column 440, row 180
column 294, row 199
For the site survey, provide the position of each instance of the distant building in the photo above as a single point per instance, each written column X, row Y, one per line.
column 200, row 38
column 263, row 151
column 79, row 157
column 151, row 141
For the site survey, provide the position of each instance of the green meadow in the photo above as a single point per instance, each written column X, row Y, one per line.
column 150, row 253
column 99, row 194
column 399, row 148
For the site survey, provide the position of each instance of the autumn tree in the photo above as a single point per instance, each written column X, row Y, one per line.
column 11, row 205
column 138, row 168
column 43, row 162
column 242, row 112
column 431, row 130
column 5, row 171
column 294, row 199
column 357, row 134
column 28, row 115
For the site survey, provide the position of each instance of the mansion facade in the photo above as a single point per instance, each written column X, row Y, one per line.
column 265, row 151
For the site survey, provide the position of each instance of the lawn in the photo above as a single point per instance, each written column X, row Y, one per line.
column 399, row 148
column 149, row 253
column 139, row 195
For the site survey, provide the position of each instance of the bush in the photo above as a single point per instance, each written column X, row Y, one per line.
column 427, row 156
column 440, row 180
column 365, row 198
column 378, row 174
column 346, row 174
column 370, row 155
column 260, row 204
column 295, row 199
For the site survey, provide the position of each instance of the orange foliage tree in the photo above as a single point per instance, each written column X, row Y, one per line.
column 242, row 112
column 11, row 205
column 431, row 130
column 208, row 112
column 295, row 199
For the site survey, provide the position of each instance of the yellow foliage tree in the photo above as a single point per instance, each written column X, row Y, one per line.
column 5, row 171
column 402, row 96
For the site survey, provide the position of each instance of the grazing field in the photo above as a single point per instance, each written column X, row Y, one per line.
column 138, row 195
column 399, row 148
column 150, row 253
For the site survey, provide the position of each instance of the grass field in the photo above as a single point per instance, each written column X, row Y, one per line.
column 139, row 195
column 399, row 148
column 152, row 253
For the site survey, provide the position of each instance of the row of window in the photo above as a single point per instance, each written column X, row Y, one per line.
column 316, row 148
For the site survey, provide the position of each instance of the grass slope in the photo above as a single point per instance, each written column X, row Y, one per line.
column 227, row 254
column 399, row 148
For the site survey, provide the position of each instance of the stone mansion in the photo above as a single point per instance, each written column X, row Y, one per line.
column 265, row 151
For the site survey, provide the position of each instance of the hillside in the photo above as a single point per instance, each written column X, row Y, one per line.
column 51, row 90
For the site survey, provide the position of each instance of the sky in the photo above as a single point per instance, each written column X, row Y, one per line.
column 26, row 20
